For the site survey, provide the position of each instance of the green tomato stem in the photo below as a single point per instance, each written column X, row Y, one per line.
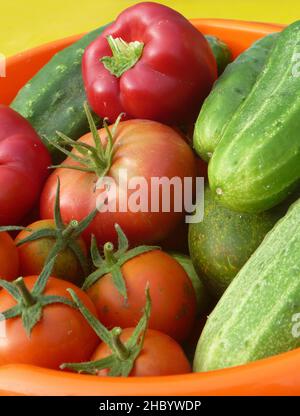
column 117, row 345
column 109, row 254
column 27, row 298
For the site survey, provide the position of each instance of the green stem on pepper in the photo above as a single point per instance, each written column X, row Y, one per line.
column 124, row 55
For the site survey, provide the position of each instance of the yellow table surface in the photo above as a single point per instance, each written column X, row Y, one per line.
column 28, row 23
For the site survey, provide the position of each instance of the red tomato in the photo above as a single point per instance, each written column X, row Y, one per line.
column 24, row 162
column 9, row 260
column 33, row 255
column 62, row 334
column 160, row 355
column 201, row 168
column 173, row 297
column 142, row 148
column 177, row 240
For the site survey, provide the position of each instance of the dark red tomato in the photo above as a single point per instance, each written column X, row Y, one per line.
column 201, row 168
column 9, row 260
column 142, row 149
column 177, row 240
column 172, row 294
column 160, row 355
column 24, row 162
column 62, row 334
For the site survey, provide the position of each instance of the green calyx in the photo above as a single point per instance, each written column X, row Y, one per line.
column 30, row 304
column 122, row 359
column 113, row 260
column 94, row 159
column 65, row 236
column 124, row 55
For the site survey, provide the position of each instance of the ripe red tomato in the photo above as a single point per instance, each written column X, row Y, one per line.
column 160, row 355
column 9, row 260
column 62, row 334
column 173, row 297
column 33, row 255
column 24, row 162
column 201, row 168
column 177, row 240
column 141, row 148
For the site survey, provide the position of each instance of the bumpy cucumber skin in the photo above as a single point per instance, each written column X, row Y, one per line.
column 53, row 99
column 255, row 317
column 222, row 243
column 229, row 91
column 257, row 162
column 202, row 296
column 221, row 52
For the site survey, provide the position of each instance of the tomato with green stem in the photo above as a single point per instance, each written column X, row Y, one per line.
column 104, row 165
column 116, row 287
column 9, row 260
column 41, row 324
column 47, row 238
column 135, row 352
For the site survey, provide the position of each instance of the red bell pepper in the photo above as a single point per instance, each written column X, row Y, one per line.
column 150, row 63
column 24, row 162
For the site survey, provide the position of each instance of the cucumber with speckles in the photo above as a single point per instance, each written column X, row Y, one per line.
column 229, row 91
column 256, row 165
column 53, row 99
column 221, row 52
column 222, row 243
column 258, row 315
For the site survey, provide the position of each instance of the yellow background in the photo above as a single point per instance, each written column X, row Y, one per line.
column 28, row 23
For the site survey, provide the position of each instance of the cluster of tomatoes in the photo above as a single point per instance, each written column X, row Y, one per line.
column 48, row 326
column 92, row 298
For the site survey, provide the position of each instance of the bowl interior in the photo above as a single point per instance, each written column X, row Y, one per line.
column 278, row 372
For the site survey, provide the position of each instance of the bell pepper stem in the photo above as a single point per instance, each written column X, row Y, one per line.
column 124, row 55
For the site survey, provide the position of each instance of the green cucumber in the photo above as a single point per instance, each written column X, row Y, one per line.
column 53, row 99
column 258, row 315
column 256, row 165
column 202, row 296
column 221, row 52
column 222, row 243
column 229, row 91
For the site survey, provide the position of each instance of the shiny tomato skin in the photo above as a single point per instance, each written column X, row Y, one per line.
column 33, row 255
column 160, row 355
column 9, row 260
column 172, row 294
column 24, row 162
column 62, row 334
column 143, row 148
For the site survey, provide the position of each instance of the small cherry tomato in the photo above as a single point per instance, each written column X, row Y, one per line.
column 61, row 334
column 172, row 294
column 160, row 355
column 33, row 255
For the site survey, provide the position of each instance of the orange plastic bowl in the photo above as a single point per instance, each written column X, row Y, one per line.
column 273, row 376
